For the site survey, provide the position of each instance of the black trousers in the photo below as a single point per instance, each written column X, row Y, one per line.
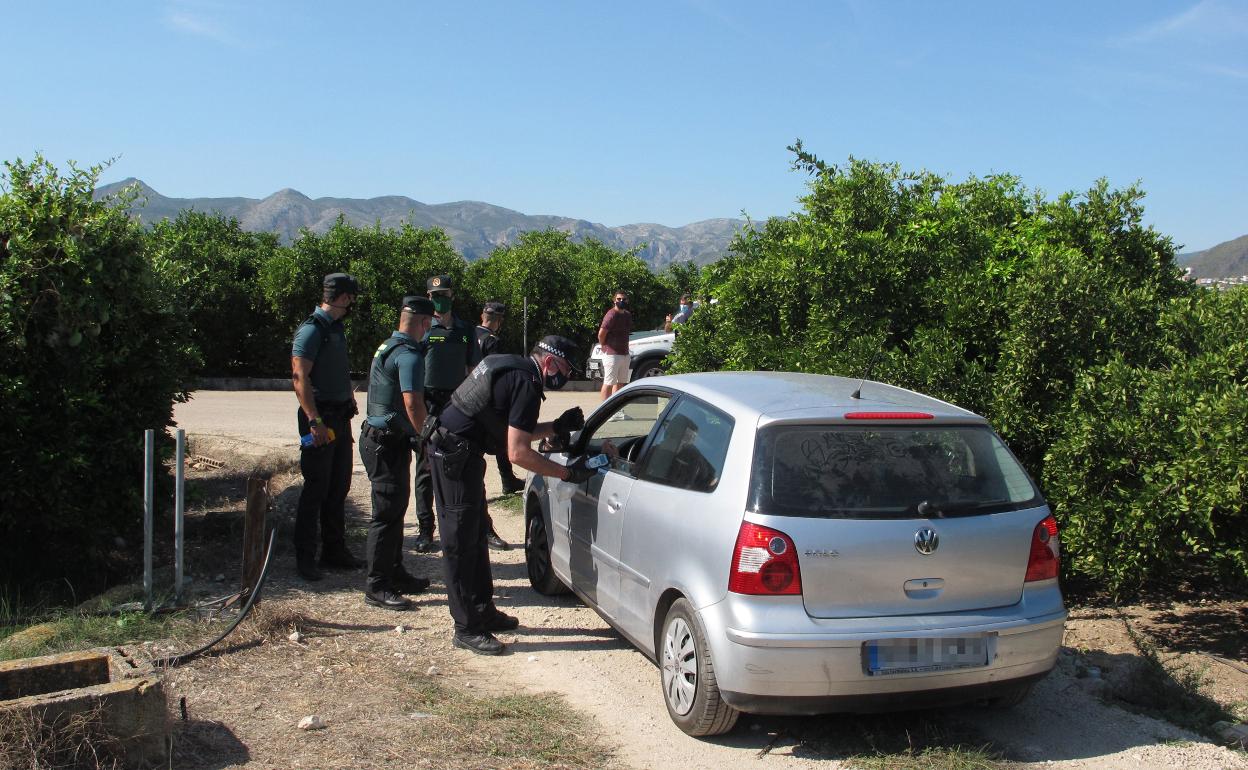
column 465, row 555
column 387, row 459
column 505, row 472
column 434, row 401
column 326, row 481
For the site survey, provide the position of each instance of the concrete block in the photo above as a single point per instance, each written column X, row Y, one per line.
column 128, row 695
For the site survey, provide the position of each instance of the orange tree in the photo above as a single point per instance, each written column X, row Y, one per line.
column 92, row 351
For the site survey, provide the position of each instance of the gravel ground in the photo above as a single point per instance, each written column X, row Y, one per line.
column 566, row 648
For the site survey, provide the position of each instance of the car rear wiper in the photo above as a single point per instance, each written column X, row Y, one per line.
column 929, row 510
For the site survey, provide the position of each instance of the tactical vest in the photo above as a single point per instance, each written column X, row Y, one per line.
column 385, row 399
column 447, row 355
column 331, row 369
column 473, row 398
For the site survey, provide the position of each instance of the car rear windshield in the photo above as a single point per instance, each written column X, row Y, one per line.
column 886, row 472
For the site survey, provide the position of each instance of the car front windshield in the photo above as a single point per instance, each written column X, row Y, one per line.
column 886, row 472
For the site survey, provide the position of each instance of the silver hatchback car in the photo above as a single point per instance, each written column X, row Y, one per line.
column 798, row 544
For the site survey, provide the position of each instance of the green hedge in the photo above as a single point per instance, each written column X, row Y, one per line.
column 1064, row 321
column 93, row 350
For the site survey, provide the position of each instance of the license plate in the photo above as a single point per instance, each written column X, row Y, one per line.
column 593, row 368
column 886, row 657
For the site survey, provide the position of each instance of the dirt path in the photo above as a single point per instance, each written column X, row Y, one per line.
column 565, row 648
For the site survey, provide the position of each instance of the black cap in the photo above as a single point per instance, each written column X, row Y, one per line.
column 414, row 303
column 560, row 346
column 495, row 308
column 340, row 283
column 440, row 283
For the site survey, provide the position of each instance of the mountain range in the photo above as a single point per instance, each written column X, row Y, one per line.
column 474, row 228
column 1226, row 260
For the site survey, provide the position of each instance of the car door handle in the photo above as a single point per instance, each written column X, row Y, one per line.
column 613, row 505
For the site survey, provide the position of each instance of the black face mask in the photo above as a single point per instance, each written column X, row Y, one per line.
column 555, row 381
column 346, row 311
column 621, row 304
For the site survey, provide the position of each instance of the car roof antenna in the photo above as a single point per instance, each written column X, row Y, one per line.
column 857, row 394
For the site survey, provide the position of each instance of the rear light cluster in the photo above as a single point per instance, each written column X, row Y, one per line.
column 1045, row 547
column 764, row 562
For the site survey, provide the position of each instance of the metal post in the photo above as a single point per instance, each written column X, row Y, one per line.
column 149, row 494
column 525, row 349
column 179, row 508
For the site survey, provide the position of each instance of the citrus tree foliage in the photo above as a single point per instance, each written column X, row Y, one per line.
column 979, row 292
column 213, row 266
column 1149, row 466
column 389, row 264
column 92, row 352
column 569, row 287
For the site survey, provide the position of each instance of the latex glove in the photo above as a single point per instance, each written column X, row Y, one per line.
column 573, row 419
column 579, row 472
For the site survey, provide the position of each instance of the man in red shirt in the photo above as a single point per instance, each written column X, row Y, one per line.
column 613, row 337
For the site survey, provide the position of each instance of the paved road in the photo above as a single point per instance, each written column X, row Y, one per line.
column 262, row 421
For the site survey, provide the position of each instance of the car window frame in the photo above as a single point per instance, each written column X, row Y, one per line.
column 595, row 422
column 643, row 460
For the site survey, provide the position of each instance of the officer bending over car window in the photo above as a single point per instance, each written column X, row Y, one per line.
column 396, row 406
column 497, row 406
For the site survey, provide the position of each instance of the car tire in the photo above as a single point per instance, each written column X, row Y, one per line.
column 537, row 558
column 651, row 366
column 687, row 675
column 1010, row 697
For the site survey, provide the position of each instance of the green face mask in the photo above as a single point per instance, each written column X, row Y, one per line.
column 441, row 303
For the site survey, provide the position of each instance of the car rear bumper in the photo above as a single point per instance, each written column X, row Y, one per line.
column 822, row 670
column 878, row 702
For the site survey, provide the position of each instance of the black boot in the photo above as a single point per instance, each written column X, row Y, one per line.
column 306, row 567
column 495, row 542
column 426, row 543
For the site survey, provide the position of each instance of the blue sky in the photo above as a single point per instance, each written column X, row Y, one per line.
column 666, row 112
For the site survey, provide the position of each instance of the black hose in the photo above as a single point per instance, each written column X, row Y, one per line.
column 177, row 660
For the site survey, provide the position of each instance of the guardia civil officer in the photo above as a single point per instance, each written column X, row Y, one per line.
column 450, row 353
column 395, row 414
column 497, row 406
column 488, row 344
column 321, row 375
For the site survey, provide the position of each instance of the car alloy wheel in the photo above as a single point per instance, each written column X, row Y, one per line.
column 537, row 558
column 680, row 666
column 652, row 368
column 690, row 689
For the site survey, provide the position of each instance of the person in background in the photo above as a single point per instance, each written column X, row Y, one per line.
column 450, row 353
column 613, row 337
column 321, row 376
column 394, row 416
column 682, row 315
column 492, row 316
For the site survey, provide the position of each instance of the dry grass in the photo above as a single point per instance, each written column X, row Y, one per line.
column 272, row 621
column 516, row 731
column 76, row 741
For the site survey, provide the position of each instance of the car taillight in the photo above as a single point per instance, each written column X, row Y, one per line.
column 1043, row 562
column 764, row 562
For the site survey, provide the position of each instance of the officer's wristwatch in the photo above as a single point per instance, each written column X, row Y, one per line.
column 315, row 421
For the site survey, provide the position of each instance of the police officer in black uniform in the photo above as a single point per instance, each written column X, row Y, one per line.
column 497, row 406
column 451, row 352
column 321, row 375
column 395, row 413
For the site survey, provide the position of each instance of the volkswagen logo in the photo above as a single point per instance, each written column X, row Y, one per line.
column 925, row 541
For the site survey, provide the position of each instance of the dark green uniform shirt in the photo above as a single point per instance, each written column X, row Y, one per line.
column 401, row 371
column 450, row 354
column 323, row 341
